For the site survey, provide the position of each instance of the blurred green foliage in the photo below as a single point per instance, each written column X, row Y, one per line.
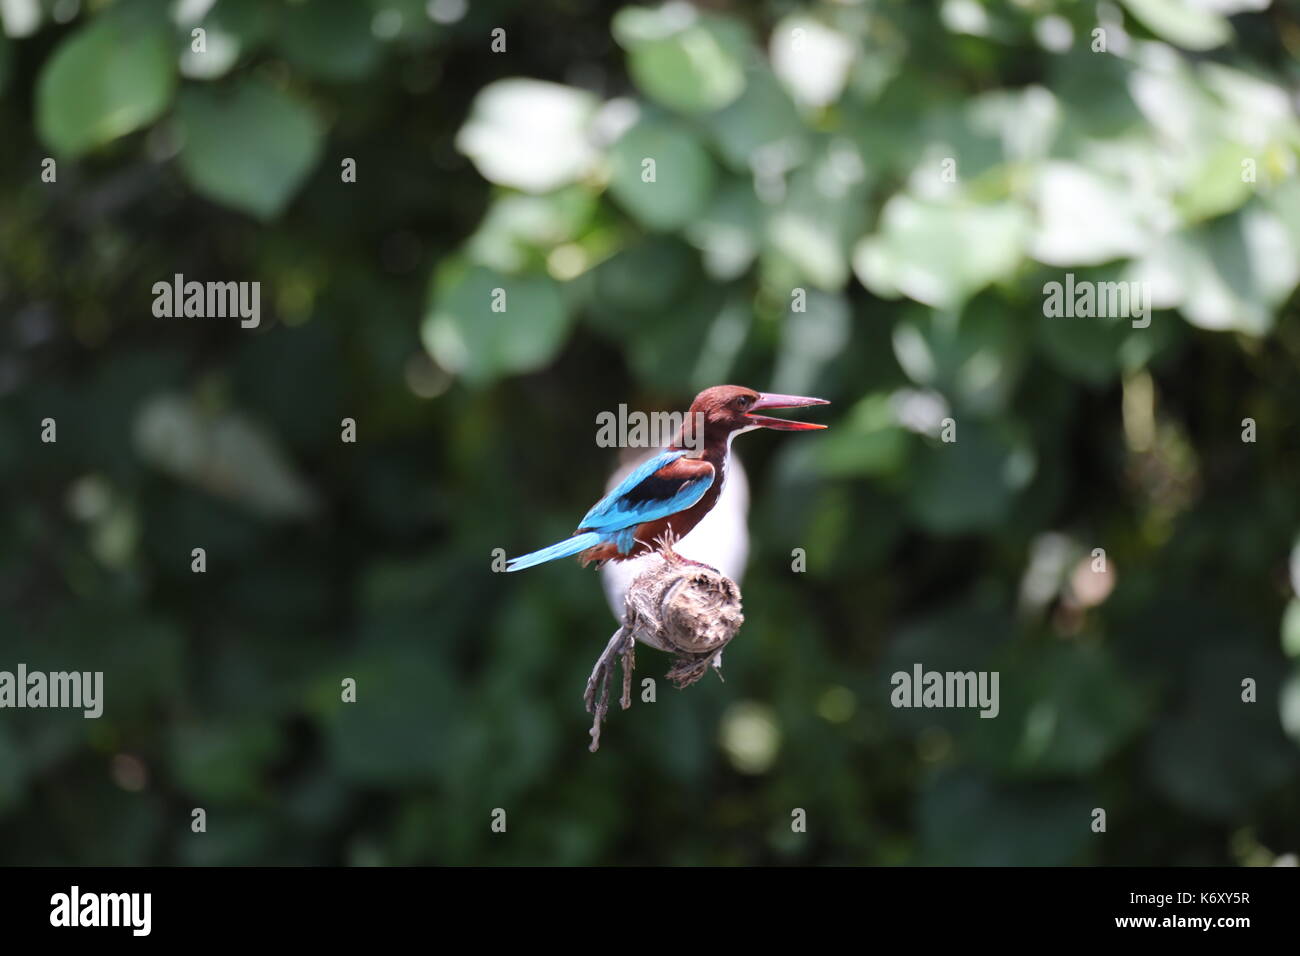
column 862, row 200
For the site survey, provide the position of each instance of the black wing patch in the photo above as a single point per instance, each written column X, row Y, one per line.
column 656, row 488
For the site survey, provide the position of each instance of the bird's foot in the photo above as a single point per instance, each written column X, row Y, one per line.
column 664, row 545
column 620, row 649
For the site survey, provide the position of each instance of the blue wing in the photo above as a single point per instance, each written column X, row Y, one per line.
column 642, row 496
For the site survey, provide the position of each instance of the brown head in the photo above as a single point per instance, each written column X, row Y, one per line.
column 729, row 409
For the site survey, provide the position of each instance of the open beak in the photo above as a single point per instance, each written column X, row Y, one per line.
column 768, row 400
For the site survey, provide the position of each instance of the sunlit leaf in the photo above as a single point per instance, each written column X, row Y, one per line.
column 1182, row 22
column 682, row 59
column 529, row 134
column 941, row 253
column 1230, row 274
column 1083, row 219
column 812, row 59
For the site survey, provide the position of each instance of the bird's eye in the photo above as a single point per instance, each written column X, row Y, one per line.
column 744, row 401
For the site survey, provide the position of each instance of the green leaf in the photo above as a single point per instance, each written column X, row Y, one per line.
column 869, row 441
column 399, row 729
column 727, row 232
column 812, row 59
column 518, row 231
column 1291, row 629
column 248, row 147
column 1084, row 218
column 232, row 28
column 823, row 212
column 682, row 60
column 224, row 762
column 1215, row 754
column 811, row 338
column 1231, row 274
column 1087, row 349
column 113, row 76
column 1182, row 23
column 969, row 484
column 483, row 324
column 1216, row 185
column 941, row 253
column 661, row 174
column 1217, row 765
column 1064, row 710
column 764, row 117
column 642, row 279
column 225, row 454
column 690, row 346
column 1284, row 203
column 974, row 359
column 1289, row 706
column 1098, row 348
column 1093, row 92
column 330, row 39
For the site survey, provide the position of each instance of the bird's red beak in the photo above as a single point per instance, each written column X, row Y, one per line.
column 768, row 400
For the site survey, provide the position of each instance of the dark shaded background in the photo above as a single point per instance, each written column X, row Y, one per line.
column 371, row 560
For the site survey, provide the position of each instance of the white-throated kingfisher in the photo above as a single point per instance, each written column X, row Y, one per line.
column 667, row 495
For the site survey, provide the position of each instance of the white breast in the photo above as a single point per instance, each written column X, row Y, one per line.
column 720, row 540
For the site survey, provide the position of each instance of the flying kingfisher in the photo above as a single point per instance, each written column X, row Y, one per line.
column 667, row 495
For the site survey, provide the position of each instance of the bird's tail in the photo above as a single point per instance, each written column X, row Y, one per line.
column 561, row 549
